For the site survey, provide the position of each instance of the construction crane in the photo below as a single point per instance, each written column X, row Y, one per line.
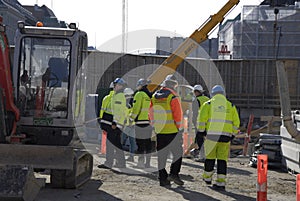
column 170, row 65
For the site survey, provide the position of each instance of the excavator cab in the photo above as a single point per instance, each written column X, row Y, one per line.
column 49, row 82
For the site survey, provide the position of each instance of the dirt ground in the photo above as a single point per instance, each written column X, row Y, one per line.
column 142, row 185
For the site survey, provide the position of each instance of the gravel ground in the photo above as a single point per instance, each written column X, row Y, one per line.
column 141, row 185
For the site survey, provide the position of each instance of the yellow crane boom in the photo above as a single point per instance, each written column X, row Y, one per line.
column 170, row 65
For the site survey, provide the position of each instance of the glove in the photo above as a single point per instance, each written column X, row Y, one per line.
column 113, row 125
column 202, row 134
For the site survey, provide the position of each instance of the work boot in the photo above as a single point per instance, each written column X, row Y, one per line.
column 103, row 166
column 219, row 188
column 130, row 159
column 141, row 162
column 176, row 179
column 148, row 158
column 164, row 183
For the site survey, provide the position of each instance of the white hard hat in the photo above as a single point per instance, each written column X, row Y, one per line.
column 111, row 85
column 217, row 89
column 128, row 92
column 198, row 87
column 170, row 79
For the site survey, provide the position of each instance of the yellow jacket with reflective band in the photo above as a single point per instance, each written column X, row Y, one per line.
column 105, row 112
column 219, row 118
column 140, row 108
column 106, row 106
column 163, row 120
column 202, row 99
column 119, row 109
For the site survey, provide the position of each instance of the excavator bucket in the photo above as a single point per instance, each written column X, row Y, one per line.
column 18, row 183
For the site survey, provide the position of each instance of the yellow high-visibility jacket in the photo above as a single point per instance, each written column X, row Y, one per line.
column 219, row 118
column 140, row 108
column 166, row 111
column 119, row 109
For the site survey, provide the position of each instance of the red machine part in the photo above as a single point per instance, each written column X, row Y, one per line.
column 6, row 78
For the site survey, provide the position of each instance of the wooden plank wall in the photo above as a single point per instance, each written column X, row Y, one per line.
column 248, row 83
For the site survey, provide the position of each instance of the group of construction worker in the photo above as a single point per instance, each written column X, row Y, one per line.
column 216, row 122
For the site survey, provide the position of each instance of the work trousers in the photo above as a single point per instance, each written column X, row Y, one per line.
column 143, row 139
column 166, row 144
column 199, row 140
column 114, row 148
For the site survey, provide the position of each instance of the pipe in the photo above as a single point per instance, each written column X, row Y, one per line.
column 285, row 101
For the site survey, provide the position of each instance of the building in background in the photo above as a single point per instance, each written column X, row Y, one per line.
column 262, row 32
column 12, row 12
column 167, row 45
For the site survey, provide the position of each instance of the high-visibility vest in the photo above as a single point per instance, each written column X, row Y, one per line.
column 201, row 100
column 119, row 109
column 140, row 108
column 106, row 111
column 163, row 119
column 219, row 118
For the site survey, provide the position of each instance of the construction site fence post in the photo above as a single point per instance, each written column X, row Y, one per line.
column 298, row 188
column 262, row 171
column 185, row 135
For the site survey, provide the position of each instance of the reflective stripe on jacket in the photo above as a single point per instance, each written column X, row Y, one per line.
column 105, row 112
column 166, row 111
column 219, row 118
column 140, row 108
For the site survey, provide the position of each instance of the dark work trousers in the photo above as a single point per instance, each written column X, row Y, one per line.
column 199, row 140
column 114, row 148
column 169, row 143
column 143, row 139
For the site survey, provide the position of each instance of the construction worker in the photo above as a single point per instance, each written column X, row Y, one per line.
column 129, row 132
column 118, row 111
column 167, row 118
column 219, row 121
column 105, row 119
column 143, row 129
column 200, row 98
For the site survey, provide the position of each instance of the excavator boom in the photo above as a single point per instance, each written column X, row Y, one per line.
column 170, row 65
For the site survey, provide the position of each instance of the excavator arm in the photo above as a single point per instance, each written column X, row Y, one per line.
column 170, row 65
column 10, row 113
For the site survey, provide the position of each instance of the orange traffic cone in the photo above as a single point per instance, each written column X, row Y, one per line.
column 262, row 169
column 103, row 142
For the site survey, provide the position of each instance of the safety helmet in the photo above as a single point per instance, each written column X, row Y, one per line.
column 217, row 89
column 142, row 82
column 128, row 92
column 120, row 81
column 111, row 85
column 170, row 79
column 198, row 87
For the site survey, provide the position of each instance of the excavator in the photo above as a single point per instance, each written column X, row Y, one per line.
column 41, row 101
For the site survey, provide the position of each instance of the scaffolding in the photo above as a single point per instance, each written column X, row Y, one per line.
column 263, row 32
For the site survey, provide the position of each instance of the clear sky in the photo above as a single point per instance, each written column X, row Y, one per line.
column 102, row 20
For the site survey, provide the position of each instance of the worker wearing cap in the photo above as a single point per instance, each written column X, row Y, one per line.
column 143, row 129
column 118, row 109
column 167, row 117
column 200, row 98
column 220, row 121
